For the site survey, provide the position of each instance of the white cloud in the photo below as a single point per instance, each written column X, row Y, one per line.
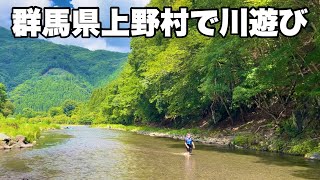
column 89, row 43
column 117, row 48
column 6, row 5
column 86, row 3
column 104, row 3
column 140, row 3
column 23, row 3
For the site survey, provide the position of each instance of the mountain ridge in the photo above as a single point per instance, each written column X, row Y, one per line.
column 24, row 62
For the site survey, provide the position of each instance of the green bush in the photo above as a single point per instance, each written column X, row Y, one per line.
column 288, row 129
column 31, row 129
column 277, row 145
column 304, row 147
column 244, row 140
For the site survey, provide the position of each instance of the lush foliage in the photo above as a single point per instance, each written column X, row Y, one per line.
column 183, row 80
column 6, row 106
column 50, row 90
column 30, row 130
column 177, row 82
column 40, row 74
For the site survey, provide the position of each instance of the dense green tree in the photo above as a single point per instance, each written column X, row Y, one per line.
column 55, row 111
column 3, row 95
column 50, row 90
column 28, row 113
column 181, row 80
column 6, row 106
column 68, row 107
column 40, row 74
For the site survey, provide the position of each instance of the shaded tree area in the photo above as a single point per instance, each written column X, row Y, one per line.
column 39, row 74
column 183, row 81
column 6, row 106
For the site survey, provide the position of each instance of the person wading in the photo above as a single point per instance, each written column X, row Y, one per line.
column 188, row 142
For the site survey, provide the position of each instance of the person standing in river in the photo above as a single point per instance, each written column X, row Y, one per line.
column 188, row 142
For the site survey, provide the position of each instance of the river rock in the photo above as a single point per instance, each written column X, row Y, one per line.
column 4, row 145
column 16, row 145
column 4, row 137
column 12, row 142
column 20, row 138
column 18, row 142
column 26, row 145
column 21, row 145
column 315, row 156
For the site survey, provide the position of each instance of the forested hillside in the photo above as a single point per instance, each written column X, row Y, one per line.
column 57, row 84
column 183, row 81
column 39, row 74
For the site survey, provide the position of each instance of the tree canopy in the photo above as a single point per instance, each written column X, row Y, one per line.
column 181, row 80
column 40, row 74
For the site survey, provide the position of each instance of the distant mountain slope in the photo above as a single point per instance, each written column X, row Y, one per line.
column 51, row 89
column 33, row 68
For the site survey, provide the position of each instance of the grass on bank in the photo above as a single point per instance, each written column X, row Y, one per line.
column 13, row 127
column 294, row 146
column 284, row 140
column 131, row 128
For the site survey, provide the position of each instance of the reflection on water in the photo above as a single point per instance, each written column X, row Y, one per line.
column 190, row 164
column 85, row 153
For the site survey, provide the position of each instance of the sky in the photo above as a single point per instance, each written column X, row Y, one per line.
column 111, row 44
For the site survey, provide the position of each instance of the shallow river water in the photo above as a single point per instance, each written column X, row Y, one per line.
column 90, row 153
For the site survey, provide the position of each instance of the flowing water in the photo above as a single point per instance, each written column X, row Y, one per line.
column 89, row 153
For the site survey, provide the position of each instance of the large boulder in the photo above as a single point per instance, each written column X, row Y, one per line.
column 4, row 137
column 20, row 138
column 11, row 142
column 16, row 146
column 22, row 145
column 4, row 145
column 26, row 145
column 18, row 142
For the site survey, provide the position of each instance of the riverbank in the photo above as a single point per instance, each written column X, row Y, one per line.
column 205, row 137
column 265, row 138
column 98, row 153
column 31, row 131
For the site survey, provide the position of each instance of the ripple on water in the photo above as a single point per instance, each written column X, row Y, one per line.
column 85, row 153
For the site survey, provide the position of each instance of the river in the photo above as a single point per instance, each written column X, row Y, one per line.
column 91, row 153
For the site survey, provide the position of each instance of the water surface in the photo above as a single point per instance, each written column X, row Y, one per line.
column 88, row 153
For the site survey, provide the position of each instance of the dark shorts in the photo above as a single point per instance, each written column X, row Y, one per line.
column 190, row 148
